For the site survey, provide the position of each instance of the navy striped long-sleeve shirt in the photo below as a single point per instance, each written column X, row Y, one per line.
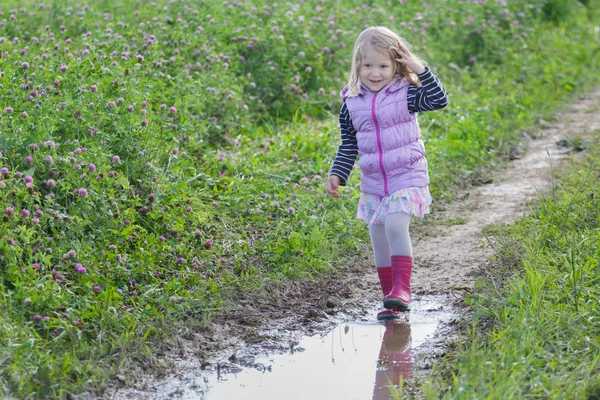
column 428, row 97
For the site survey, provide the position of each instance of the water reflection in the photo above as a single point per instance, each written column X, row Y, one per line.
column 357, row 360
column 394, row 359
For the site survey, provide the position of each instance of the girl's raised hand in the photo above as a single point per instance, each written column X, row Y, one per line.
column 405, row 57
column 332, row 185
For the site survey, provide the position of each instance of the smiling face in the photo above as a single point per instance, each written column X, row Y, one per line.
column 377, row 69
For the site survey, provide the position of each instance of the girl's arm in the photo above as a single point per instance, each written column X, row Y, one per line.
column 348, row 150
column 428, row 97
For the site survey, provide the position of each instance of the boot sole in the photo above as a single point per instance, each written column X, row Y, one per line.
column 389, row 317
column 395, row 304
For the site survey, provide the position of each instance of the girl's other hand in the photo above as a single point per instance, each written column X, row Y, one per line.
column 332, row 185
column 406, row 58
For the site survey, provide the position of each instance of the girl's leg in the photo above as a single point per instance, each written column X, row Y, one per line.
column 381, row 247
column 397, row 232
column 383, row 262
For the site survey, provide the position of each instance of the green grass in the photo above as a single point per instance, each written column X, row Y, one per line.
column 536, row 321
column 223, row 194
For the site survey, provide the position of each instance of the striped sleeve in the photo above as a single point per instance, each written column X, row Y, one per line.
column 348, row 150
column 428, row 97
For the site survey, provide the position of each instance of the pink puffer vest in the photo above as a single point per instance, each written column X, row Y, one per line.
column 392, row 157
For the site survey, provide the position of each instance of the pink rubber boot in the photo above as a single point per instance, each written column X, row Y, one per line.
column 385, row 279
column 399, row 297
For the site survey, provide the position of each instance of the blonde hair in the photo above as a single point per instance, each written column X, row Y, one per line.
column 384, row 40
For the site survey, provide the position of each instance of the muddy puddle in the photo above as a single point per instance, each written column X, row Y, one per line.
column 358, row 359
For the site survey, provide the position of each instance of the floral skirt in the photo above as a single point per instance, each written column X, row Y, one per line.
column 413, row 201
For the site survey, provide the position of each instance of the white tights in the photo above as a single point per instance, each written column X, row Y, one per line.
column 391, row 238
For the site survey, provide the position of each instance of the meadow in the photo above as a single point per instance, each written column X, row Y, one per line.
column 160, row 160
column 534, row 332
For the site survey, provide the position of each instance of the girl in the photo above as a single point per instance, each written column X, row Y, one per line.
column 388, row 86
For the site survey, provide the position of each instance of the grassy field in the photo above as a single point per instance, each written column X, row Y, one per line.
column 160, row 159
column 536, row 329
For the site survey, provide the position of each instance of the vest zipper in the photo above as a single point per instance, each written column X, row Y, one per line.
column 379, row 146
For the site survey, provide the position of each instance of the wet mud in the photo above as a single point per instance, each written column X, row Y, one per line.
column 330, row 346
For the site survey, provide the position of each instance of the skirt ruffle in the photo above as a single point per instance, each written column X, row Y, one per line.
column 413, row 201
